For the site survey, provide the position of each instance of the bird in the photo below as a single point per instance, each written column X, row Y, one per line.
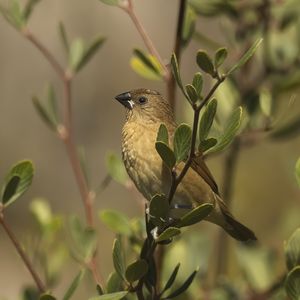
column 146, row 110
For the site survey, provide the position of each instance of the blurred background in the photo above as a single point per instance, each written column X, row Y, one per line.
column 265, row 195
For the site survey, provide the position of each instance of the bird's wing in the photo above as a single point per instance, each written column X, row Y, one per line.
column 199, row 166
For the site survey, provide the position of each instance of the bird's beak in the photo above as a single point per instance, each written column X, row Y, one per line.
column 125, row 99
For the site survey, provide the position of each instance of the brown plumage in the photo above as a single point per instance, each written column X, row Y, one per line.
column 145, row 111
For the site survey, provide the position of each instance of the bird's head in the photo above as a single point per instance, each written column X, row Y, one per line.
column 145, row 105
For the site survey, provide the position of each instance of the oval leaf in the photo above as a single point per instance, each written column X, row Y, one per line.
column 198, row 83
column 118, row 258
column 76, row 54
column 159, row 209
column 162, row 134
column 292, row 284
column 16, row 182
column 205, row 63
column 176, row 74
column 292, row 250
column 196, row 215
column 136, row 270
column 169, row 233
column 249, row 53
column 115, row 221
column 166, row 154
column 114, row 283
column 115, row 168
column 207, row 119
column 191, row 91
column 182, row 142
column 207, row 144
column 220, row 57
column 111, row 2
column 112, row 296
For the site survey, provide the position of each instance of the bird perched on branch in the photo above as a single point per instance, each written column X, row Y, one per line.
column 145, row 111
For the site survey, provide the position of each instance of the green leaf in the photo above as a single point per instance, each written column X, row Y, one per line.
column 99, row 289
column 72, row 288
column 169, row 233
column 292, row 250
column 192, row 93
column 265, row 102
column 28, row 9
column 41, row 211
column 111, row 2
column 115, row 168
column 162, row 134
column 44, row 113
column 16, row 182
column 30, row 293
column 176, row 74
column 198, row 83
column 90, row 51
column 136, row 270
column 230, row 131
column 64, row 37
column 118, row 259
column 166, row 154
column 16, row 15
column 171, row 279
column 249, row 53
column 184, row 286
column 289, row 130
column 159, row 209
column 146, row 65
column 205, row 63
column 77, row 51
column 46, row 297
column 182, row 142
column 112, row 296
column 52, row 105
column 188, row 25
column 220, row 56
column 207, row 119
column 114, row 283
column 196, row 215
column 84, row 238
column 292, row 284
column 297, row 171
column 115, row 221
column 207, row 144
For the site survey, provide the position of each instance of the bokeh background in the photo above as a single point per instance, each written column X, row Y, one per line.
column 266, row 196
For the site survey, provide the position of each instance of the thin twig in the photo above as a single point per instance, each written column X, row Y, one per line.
column 40, row 285
column 65, row 133
column 171, row 83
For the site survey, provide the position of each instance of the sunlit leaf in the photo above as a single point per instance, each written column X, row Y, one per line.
column 292, row 284
column 115, row 221
column 111, row 2
column 112, row 296
column 41, row 211
column 205, row 145
column 196, row 215
column 265, row 102
column 169, row 233
column 76, row 53
column 249, row 53
column 176, row 74
column 292, row 250
column 207, row 119
column 162, row 134
column 16, row 182
column 115, row 168
column 136, row 270
column 166, row 154
column 74, row 284
column 118, row 259
column 230, row 131
column 205, row 63
column 182, row 142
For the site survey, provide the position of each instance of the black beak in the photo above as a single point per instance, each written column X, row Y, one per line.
column 125, row 99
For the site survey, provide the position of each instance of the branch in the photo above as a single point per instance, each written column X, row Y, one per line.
column 40, row 285
column 65, row 133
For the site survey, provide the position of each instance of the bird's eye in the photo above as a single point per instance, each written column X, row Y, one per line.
column 143, row 100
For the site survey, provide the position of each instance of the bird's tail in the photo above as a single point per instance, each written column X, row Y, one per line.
column 234, row 228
